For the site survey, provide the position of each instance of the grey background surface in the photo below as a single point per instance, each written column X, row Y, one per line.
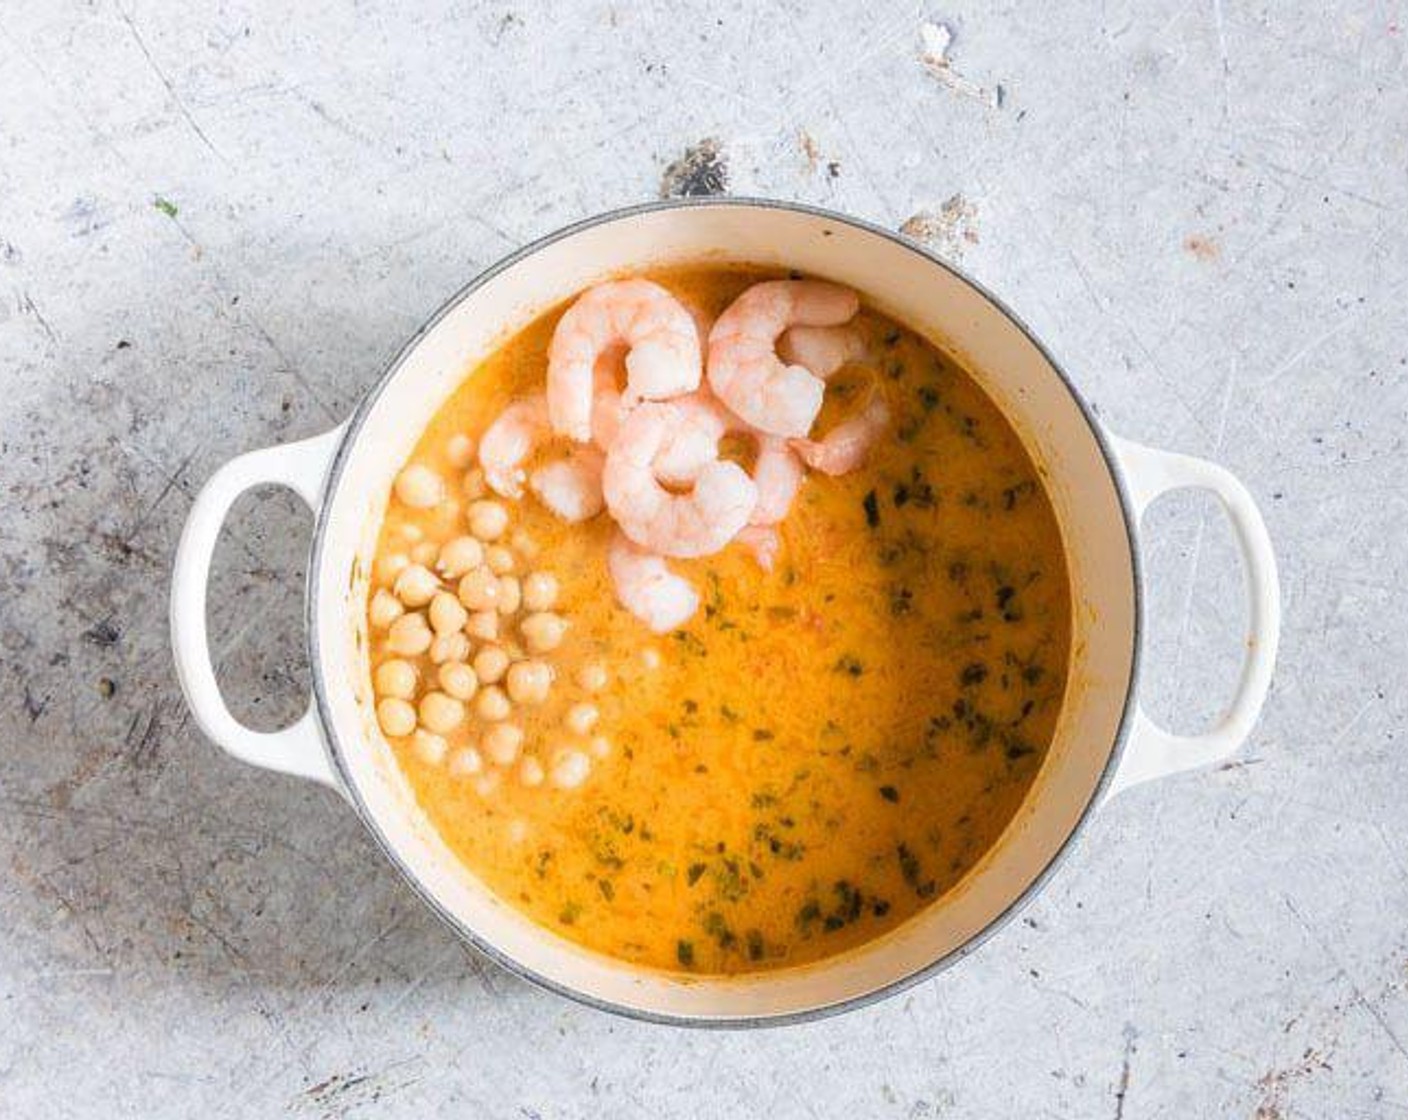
column 217, row 220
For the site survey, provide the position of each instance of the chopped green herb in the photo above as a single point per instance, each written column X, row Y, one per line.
column 872, row 510
column 762, row 735
column 889, row 793
column 847, row 663
column 570, row 913
column 692, row 642
column 166, row 206
column 913, row 873
column 696, row 870
column 684, row 953
column 973, row 674
column 717, row 928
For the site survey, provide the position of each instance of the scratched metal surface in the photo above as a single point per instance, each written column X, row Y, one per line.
column 217, row 220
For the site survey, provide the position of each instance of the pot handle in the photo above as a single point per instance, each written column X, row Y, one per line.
column 1151, row 751
column 302, row 467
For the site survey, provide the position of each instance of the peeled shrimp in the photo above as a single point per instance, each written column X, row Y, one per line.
column 508, row 441
column 778, row 474
column 846, row 446
column 647, row 588
column 744, row 370
column 663, row 357
column 693, row 442
column 692, row 524
column 822, row 350
column 571, row 487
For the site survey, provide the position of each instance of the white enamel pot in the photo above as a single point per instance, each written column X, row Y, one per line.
column 1101, row 485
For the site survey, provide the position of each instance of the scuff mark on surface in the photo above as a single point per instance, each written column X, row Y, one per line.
column 340, row 1094
column 816, row 160
column 143, row 737
column 29, row 307
column 1275, row 1084
column 1122, row 1088
column 935, row 40
column 1203, row 247
column 701, row 172
column 949, row 230
column 103, row 633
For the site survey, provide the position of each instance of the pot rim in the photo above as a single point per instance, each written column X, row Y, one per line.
column 332, row 744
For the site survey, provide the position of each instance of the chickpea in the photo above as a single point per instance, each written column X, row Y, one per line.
column 440, row 713
column 539, row 591
column 397, row 717
column 543, row 632
column 570, row 769
column 430, row 747
column 487, row 519
column 446, row 614
column 409, row 636
column 466, row 762
column 390, row 566
column 459, row 449
column 474, row 484
column 502, row 742
column 530, row 772
column 492, row 704
column 499, row 559
column 449, row 647
column 459, row 556
column 510, row 596
column 384, row 609
column 528, row 682
column 396, row 678
column 479, row 590
column 600, row 746
column 592, row 676
column 416, row 585
column 581, row 718
column 419, row 487
column 490, row 664
column 424, row 553
column 458, row 680
column 483, row 625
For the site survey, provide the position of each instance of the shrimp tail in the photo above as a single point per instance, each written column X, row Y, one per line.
column 763, row 542
column 846, row 446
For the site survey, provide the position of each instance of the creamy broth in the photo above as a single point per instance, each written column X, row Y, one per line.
column 824, row 749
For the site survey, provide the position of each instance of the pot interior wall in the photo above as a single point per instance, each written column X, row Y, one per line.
column 903, row 283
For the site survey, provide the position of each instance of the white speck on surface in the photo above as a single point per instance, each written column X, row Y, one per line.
column 935, row 40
